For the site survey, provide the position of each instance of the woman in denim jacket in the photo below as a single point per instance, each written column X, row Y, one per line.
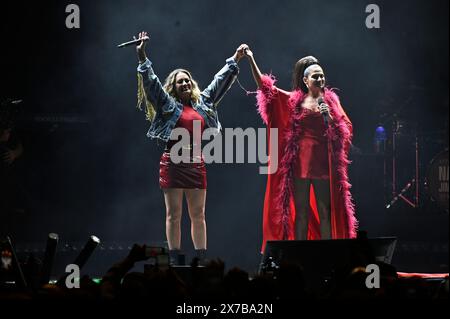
column 179, row 103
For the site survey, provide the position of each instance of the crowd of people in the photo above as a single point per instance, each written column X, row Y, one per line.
column 211, row 283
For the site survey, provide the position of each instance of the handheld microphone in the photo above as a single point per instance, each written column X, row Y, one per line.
column 132, row 42
column 324, row 114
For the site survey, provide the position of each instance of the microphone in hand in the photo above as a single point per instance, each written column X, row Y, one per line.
column 133, row 42
column 324, row 110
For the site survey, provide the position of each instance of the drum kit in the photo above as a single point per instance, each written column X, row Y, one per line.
column 427, row 182
column 436, row 180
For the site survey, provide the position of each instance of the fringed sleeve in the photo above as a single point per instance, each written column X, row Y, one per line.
column 142, row 98
column 341, row 119
column 265, row 96
column 341, row 135
column 347, row 136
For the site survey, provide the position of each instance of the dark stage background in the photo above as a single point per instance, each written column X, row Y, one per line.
column 88, row 167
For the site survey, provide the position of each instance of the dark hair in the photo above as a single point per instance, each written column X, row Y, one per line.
column 299, row 70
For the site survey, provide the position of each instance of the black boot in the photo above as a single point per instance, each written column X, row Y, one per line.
column 174, row 255
column 200, row 254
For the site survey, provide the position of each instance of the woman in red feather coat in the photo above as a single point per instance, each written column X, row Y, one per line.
column 308, row 196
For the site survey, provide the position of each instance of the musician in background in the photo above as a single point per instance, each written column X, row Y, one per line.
column 11, row 149
column 11, row 146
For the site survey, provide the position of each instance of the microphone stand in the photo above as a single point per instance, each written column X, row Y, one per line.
column 414, row 203
column 330, row 171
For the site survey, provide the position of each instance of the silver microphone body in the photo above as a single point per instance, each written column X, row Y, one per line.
column 324, row 114
column 132, row 42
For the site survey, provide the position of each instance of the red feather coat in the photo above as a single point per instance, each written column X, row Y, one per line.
column 281, row 109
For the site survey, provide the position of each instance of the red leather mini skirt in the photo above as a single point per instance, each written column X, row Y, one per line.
column 181, row 175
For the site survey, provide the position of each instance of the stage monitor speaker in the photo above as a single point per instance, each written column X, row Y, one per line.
column 320, row 259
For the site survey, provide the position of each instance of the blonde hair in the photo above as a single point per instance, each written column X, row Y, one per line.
column 169, row 87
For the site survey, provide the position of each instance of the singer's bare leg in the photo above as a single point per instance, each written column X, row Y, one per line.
column 323, row 200
column 196, row 199
column 301, row 200
column 173, row 198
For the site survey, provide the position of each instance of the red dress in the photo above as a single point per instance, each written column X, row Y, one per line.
column 184, row 175
column 312, row 160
